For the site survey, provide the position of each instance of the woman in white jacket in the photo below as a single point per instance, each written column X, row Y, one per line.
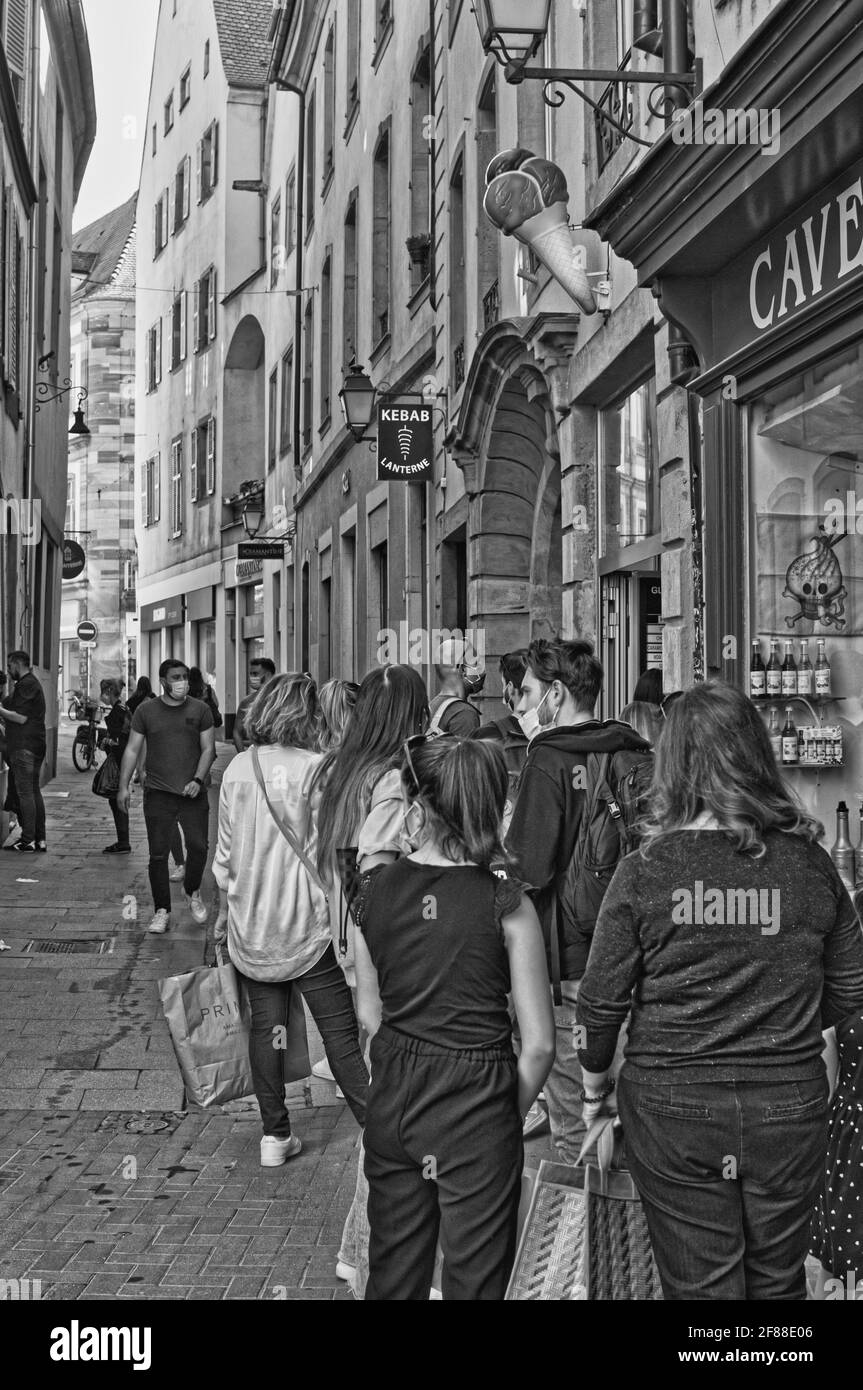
column 274, row 910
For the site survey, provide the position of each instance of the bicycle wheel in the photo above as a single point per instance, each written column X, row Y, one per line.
column 82, row 755
column 74, row 711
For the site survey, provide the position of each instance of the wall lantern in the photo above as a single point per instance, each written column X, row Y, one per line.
column 513, row 30
column 357, row 398
column 253, row 513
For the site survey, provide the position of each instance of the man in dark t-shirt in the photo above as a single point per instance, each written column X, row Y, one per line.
column 451, row 711
column 180, row 744
column 23, row 715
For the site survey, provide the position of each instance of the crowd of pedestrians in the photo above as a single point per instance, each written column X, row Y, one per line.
column 546, row 918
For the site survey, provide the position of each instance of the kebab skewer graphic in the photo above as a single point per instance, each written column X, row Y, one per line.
column 527, row 198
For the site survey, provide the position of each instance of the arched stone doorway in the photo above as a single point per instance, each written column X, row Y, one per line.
column 244, row 437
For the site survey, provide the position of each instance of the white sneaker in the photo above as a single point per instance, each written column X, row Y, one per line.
column 198, row 909
column 178, row 873
column 323, row 1070
column 160, row 923
column 275, row 1152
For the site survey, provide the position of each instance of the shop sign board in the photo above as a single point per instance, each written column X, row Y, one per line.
column 74, row 560
column 261, row 550
column 405, row 442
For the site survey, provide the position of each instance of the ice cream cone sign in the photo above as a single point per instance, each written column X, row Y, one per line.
column 527, row 198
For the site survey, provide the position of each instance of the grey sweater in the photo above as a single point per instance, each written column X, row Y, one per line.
column 732, row 966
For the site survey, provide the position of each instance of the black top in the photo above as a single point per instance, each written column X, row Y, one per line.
column 545, row 822
column 460, row 718
column 118, row 722
column 27, row 698
column 435, row 939
column 726, row 986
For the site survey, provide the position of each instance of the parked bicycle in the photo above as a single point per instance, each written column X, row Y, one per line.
column 76, row 705
column 90, row 738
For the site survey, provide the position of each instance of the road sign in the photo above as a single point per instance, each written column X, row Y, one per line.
column 74, row 560
column 405, row 442
column 87, row 631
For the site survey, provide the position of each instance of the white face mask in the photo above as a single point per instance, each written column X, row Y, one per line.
column 179, row 690
column 530, row 722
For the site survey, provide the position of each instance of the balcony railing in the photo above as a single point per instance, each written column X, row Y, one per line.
column 618, row 102
column 458, row 365
column 491, row 305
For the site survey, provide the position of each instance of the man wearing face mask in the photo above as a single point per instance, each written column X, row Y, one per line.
column 460, row 676
column 260, row 671
column 180, row 750
column 556, row 711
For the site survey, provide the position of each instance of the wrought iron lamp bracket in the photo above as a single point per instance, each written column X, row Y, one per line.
column 46, row 395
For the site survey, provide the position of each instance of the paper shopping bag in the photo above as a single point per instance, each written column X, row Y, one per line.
column 209, row 1024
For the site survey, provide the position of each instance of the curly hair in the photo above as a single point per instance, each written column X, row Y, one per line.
column 285, row 712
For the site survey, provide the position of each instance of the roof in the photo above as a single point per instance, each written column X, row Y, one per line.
column 243, row 43
column 105, row 251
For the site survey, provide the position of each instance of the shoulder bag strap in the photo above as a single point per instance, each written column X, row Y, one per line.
column 286, row 831
column 441, row 711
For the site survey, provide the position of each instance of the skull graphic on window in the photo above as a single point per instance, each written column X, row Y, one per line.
column 815, row 581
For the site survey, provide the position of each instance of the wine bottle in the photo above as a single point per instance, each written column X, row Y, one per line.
column 789, row 740
column 789, row 672
column 804, row 670
column 775, row 734
column 842, row 852
column 773, row 678
column 822, row 673
column 757, row 674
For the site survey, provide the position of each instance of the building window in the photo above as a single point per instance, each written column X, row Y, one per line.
column 354, row 19
column 178, row 330
column 154, row 355
column 629, row 496
column 10, row 278
column 208, row 161
column 457, row 273
column 276, row 252
column 169, row 113
column 379, row 601
column 419, row 244
column 182, row 193
column 454, row 16
column 287, row 398
column 308, row 360
column 381, row 234
column 152, row 504
column 155, row 139
column 177, row 487
column 310, row 165
column 204, row 324
column 351, row 299
column 329, row 104
column 70, row 525
column 488, row 236
column 383, row 28
column 291, row 211
column 15, row 45
column 326, row 371
column 186, row 87
column 273, row 418
column 207, row 58
column 202, row 472
column 160, row 223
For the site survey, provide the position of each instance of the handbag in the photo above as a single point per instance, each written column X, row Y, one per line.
column 586, row 1236
column 107, row 779
column 209, row 1019
column 349, row 876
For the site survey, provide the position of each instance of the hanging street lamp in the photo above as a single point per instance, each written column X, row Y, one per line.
column 357, row 398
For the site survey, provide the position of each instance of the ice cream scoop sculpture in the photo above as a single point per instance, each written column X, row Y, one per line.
column 527, row 198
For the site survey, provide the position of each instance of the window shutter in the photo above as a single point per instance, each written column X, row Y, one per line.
column 145, row 516
column 172, row 209
column 157, row 227
column 148, row 359
column 167, row 206
column 211, row 305
column 211, row 456
column 12, row 338
column 4, row 262
column 214, row 156
column 196, row 316
column 15, row 44
column 183, row 349
column 193, row 465
column 199, row 164
column 187, row 186
column 157, row 487
column 158, row 350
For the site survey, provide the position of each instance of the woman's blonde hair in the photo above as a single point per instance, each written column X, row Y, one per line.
column 337, row 699
column 645, row 718
column 285, row 712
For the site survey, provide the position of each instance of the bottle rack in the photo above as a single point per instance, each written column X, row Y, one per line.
column 815, row 705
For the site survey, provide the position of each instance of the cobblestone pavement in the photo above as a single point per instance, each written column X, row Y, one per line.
column 108, row 1188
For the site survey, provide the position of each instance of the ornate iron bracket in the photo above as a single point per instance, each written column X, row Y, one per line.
column 46, row 395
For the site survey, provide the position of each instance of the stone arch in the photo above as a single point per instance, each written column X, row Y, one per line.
column 244, row 423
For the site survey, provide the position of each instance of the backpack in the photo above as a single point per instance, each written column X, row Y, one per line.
column 615, row 798
column 434, row 729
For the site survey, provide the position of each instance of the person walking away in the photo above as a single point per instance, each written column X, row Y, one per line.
column 337, row 700
column 441, row 942
column 729, row 940
column 22, row 711
column 199, row 689
column 274, row 912
column 118, row 723
column 646, row 719
column 559, row 694
column 836, row 1239
column 180, row 750
column 362, row 809
column 451, row 710
column 508, row 731
column 648, row 688
column 143, row 691
column 261, row 670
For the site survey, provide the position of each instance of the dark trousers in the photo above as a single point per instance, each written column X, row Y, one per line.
column 728, row 1173
column 163, row 811
column 31, row 808
column 326, row 992
column 121, row 822
column 443, row 1156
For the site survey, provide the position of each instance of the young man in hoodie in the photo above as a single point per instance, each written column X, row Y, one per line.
column 556, row 711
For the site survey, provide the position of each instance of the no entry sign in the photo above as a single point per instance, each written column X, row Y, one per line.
column 87, row 631
column 405, row 442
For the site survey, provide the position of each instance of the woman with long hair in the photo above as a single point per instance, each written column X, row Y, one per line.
column 337, row 700
column 274, row 912
column 143, row 691
column 362, row 810
column 200, row 689
column 645, row 718
column 118, row 723
column 733, row 941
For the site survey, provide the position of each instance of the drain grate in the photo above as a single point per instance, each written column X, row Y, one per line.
column 67, row 946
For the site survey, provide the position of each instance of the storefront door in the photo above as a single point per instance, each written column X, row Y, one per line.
column 631, row 635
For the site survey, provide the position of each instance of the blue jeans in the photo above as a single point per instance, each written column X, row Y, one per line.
column 326, row 992
column 728, row 1173
column 26, row 768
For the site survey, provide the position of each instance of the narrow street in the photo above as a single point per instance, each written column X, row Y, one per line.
column 108, row 1186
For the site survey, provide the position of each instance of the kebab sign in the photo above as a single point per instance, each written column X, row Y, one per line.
column 405, row 442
